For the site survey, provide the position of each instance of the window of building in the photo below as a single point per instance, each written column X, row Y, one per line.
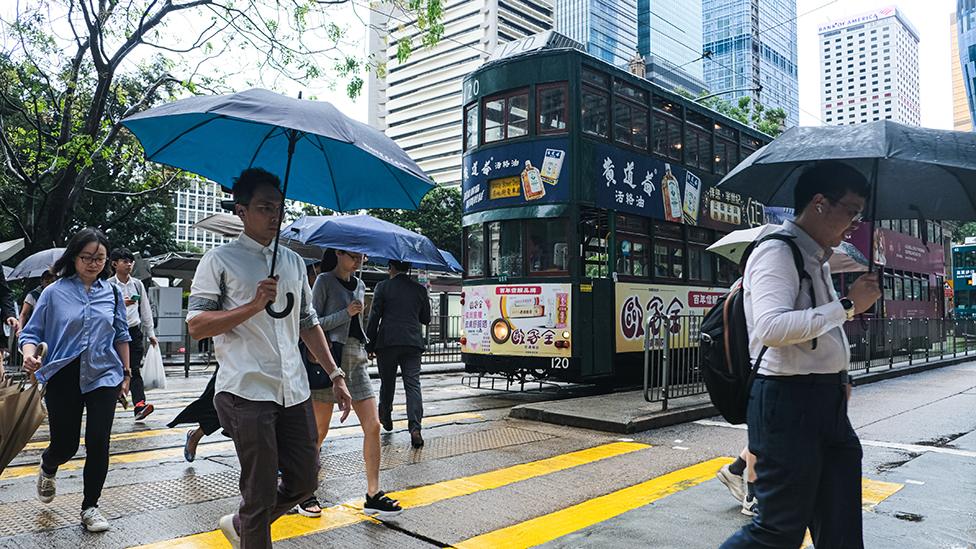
column 506, row 116
column 551, row 103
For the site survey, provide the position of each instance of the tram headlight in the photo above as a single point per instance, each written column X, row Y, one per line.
column 500, row 330
column 565, row 334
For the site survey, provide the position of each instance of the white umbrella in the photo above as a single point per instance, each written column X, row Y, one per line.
column 10, row 248
column 845, row 259
column 222, row 224
column 34, row 265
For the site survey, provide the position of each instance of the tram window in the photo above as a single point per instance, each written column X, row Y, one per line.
column 594, row 231
column 698, row 145
column 471, row 127
column 474, row 253
column 552, row 102
column 598, row 79
column 505, row 248
column 547, row 246
column 726, row 156
column 633, row 93
column 669, row 259
column 630, row 124
column 728, row 272
column 726, row 132
column 596, row 112
column 700, row 264
column 666, row 137
column 506, row 117
column 494, row 120
column 518, row 115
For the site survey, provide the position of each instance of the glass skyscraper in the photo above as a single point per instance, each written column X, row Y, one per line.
column 753, row 44
column 608, row 28
column 966, row 27
column 669, row 37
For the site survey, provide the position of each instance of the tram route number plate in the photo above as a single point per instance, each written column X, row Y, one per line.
column 586, row 288
column 560, row 363
column 504, row 187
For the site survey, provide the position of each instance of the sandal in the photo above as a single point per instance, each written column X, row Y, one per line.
column 309, row 508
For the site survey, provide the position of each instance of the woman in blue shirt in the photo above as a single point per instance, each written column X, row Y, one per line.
column 82, row 319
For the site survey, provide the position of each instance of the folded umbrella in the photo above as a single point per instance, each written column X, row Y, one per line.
column 21, row 413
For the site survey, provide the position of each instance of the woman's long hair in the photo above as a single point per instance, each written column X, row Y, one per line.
column 65, row 265
column 329, row 260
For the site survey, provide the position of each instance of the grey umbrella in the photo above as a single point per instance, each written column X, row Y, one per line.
column 35, row 264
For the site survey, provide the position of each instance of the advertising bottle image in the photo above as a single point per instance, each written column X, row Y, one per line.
column 552, row 165
column 692, row 200
column 671, row 195
column 532, row 182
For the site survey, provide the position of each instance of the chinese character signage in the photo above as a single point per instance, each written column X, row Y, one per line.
column 516, row 175
column 640, row 304
column 635, row 183
column 517, row 320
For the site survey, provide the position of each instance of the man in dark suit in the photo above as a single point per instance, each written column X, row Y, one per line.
column 400, row 306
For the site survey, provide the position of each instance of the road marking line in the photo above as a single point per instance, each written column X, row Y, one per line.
column 873, row 492
column 30, row 470
column 914, row 448
column 555, row 525
column 292, row 526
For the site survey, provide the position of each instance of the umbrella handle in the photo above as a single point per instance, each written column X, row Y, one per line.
column 289, row 305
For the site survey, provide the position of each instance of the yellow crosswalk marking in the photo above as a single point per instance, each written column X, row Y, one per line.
column 873, row 492
column 291, row 526
column 571, row 519
column 21, row 471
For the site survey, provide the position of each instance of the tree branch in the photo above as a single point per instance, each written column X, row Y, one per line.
column 149, row 24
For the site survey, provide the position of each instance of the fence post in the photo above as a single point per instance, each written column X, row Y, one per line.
column 666, row 364
column 891, row 344
column 186, row 353
column 647, row 359
column 869, row 345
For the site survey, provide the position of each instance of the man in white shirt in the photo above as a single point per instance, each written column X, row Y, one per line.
column 261, row 391
column 138, row 313
column 808, row 458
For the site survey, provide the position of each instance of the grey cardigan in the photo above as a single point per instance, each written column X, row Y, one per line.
column 330, row 299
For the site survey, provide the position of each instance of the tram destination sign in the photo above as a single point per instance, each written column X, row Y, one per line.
column 516, row 175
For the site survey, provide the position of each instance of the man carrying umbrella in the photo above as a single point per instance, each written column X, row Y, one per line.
column 262, row 394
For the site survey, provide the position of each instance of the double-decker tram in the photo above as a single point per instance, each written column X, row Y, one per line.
column 589, row 199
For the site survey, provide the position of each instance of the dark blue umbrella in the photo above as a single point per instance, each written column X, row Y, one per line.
column 453, row 266
column 325, row 157
column 368, row 235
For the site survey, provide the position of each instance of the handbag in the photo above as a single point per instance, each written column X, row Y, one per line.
column 317, row 378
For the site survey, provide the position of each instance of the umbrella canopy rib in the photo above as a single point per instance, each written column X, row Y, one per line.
column 416, row 204
column 257, row 150
column 335, row 187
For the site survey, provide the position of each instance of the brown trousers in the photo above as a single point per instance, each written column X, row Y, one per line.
column 268, row 438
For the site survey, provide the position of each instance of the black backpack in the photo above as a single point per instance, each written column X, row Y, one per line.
column 726, row 364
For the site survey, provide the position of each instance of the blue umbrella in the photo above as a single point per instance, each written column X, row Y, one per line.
column 326, row 158
column 368, row 235
column 453, row 266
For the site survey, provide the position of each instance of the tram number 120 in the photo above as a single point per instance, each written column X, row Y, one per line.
column 560, row 363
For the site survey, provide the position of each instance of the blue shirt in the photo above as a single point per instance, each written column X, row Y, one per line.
column 76, row 323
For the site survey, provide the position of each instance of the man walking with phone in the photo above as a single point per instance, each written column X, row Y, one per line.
column 138, row 313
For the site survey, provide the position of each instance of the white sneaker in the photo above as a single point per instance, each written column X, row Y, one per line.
column 227, row 527
column 750, row 506
column 93, row 520
column 735, row 483
column 46, row 486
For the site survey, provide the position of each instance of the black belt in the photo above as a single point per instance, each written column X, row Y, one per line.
column 839, row 378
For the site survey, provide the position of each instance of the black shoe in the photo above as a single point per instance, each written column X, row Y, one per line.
column 416, row 440
column 382, row 505
column 387, row 422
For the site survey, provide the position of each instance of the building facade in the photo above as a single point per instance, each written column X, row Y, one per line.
column 608, row 28
column 198, row 200
column 418, row 102
column 869, row 69
column 966, row 29
column 961, row 119
column 753, row 51
column 669, row 37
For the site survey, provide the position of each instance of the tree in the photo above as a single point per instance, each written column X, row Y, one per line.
column 438, row 218
column 62, row 99
column 745, row 110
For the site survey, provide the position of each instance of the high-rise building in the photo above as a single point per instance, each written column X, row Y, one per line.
column 869, row 69
column 961, row 119
column 418, row 102
column 608, row 28
column 197, row 201
column 966, row 28
column 669, row 36
column 753, row 52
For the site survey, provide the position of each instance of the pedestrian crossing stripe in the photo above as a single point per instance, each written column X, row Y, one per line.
column 571, row 519
column 873, row 492
column 292, row 526
column 21, row 471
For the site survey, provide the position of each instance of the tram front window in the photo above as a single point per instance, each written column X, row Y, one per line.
column 547, row 248
column 505, row 244
column 475, row 252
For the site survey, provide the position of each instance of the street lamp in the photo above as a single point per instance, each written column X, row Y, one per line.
column 757, row 89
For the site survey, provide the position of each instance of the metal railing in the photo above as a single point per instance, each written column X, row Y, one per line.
column 443, row 340
column 671, row 352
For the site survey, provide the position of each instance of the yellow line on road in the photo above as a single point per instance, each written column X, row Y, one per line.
column 212, row 447
column 571, row 519
column 873, row 492
column 292, row 526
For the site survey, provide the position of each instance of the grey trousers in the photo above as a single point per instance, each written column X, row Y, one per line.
column 408, row 360
column 268, row 438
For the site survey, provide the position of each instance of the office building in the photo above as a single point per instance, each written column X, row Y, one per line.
column 608, row 28
column 669, row 37
column 961, row 119
column 198, row 200
column 753, row 52
column 966, row 29
column 418, row 102
column 869, row 69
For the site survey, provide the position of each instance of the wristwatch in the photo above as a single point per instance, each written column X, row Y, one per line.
column 848, row 306
column 337, row 373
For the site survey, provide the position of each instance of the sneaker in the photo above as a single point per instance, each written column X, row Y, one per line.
column 382, row 505
column 187, row 454
column 230, row 532
column 46, row 486
column 750, row 506
column 309, row 508
column 735, row 483
column 416, row 440
column 142, row 410
column 93, row 520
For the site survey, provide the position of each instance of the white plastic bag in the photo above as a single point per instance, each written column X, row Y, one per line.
column 153, row 375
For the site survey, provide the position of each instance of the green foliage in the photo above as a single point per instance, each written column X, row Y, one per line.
column 745, row 110
column 964, row 230
column 438, row 218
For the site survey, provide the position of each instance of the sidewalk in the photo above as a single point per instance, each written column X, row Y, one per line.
column 174, row 368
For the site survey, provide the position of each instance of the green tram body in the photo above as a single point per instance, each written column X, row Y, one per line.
column 578, row 285
column 963, row 275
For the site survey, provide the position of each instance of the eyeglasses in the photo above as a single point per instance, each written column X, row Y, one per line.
column 92, row 259
column 354, row 257
column 854, row 212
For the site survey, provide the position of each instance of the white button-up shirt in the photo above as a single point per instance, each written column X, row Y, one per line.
column 259, row 358
column 137, row 313
column 779, row 313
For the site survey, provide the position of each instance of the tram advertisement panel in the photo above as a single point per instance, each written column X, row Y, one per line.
column 518, row 320
column 635, row 303
column 516, row 175
column 638, row 184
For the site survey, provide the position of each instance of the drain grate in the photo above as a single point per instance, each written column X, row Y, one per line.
column 117, row 501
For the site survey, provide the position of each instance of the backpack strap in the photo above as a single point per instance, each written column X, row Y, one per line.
column 798, row 263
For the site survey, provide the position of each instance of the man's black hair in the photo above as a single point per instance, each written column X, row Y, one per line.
column 121, row 253
column 249, row 181
column 831, row 178
column 401, row 266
